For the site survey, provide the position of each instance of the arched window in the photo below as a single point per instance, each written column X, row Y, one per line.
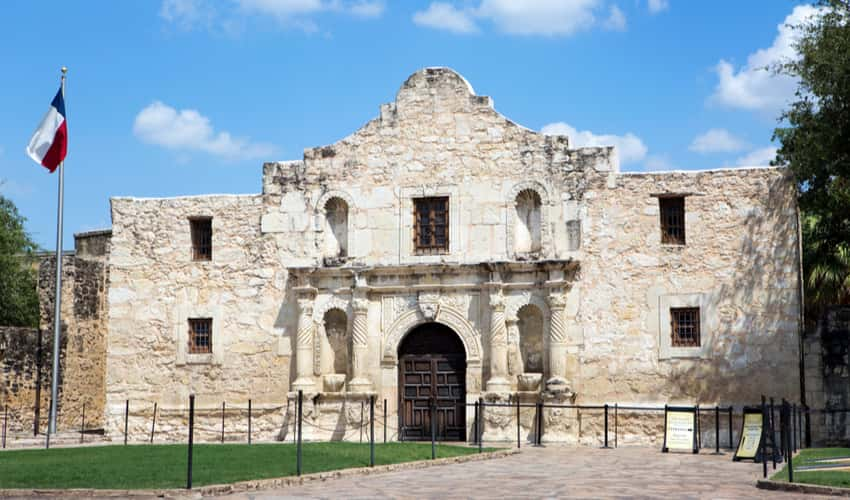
column 336, row 328
column 527, row 237
column 530, row 324
column 336, row 228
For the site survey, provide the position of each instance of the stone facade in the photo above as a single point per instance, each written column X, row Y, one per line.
column 554, row 262
column 827, row 349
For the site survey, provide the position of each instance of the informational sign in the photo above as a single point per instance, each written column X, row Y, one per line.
column 680, row 429
column 751, row 433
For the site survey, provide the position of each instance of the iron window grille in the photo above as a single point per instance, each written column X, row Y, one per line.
column 431, row 225
column 672, row 220
column 201, row 238
column 200, row 335
column 684, row 326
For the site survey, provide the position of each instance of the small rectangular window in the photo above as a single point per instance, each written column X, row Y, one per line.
column 201, row 238
column 431, row 225
column 684, row 326
column 574, row 234
column 200, row 335
column 672, row 220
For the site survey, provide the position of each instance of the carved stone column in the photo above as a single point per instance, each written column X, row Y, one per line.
column 304, row 339
column 557, row 343
column 359, row 344
column 498, row 345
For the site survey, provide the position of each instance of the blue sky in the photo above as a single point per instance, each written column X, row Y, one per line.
column 177, row 97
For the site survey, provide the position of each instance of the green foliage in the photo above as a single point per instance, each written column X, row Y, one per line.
column 164, row 466
column 815, row 144
column 18, row 274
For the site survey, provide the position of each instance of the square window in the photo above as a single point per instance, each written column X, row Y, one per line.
column 431, row 225
column 672, row 220
column 201, row 238
column 684, row 326
column 200, row 335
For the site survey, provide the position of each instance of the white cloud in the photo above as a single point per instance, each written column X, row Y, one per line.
column 529, row 17
column 616, row 19
column 658, row 162
column 187, row 14
column 188, row 130
column 630, row 148
column 717, row 140
column 757, row 158
column 445, row 16
column 754, row 86
column 656, row 6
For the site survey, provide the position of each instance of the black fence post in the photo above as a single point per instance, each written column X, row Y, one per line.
column 371, row 431
column 480, row 423
column 475, row 425
column 717, row 429
column 606, row 425
column 385, row 420
column 222, row 421
column 539, row 441
column 126, row 418
column 731, row 444
column 298, row 437
column 788, row 430
column 5, row 419
column 249, row 421
column 47, row 434
column 153, row 422
column 792, row 420
column 361, row 420
column 83, row 425
column 191, row 440
column 800, row 426
column 616, row 426
column 432, row 414
column 764, row 422
column 518, row 430
column 808, row 413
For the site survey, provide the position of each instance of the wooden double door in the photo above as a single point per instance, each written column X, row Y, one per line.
column 432, row 370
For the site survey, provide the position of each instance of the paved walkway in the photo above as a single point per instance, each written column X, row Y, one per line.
column 554, row 472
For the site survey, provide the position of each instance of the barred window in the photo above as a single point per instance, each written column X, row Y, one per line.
column 684, row 326
column 201, row 238
column 431, row 225
column 672, row 219
column 200, row 335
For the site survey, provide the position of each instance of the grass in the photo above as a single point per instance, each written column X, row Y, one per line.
column 164, row 466
column 826, row 478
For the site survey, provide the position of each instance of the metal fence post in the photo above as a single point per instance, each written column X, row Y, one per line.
column 300, row 424
column 475, row 426
column 518, row 445
column 371, row 431
column 764, row 422
column 433, row 429
column 616, row 426
column 792, row 417
column 5, row 419
column 717, row 429
column 606, row 425
column 788, row 428
column 191, row 440
column 153, row 423
column 126, row 418
column 83, row 425
column 808, row 413
column 480, row 423
column 222, row 421
column 385, row 420
column 540, row 423
column 249, row 421
column 47, row 440
column 731, row 445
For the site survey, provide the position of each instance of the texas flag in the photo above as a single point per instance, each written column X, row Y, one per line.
column 49, row 143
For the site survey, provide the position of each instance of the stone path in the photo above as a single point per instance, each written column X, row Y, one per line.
column 554, row 472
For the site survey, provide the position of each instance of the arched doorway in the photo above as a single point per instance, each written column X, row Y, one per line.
column 432, row 365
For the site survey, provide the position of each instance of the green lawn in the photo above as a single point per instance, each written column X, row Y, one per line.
column 826, row 478
column 164, row 466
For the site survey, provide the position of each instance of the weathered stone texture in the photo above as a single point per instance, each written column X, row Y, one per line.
column 583, row 250
column 19, row 376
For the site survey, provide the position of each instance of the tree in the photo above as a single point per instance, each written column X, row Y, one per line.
column 815, row 144
column 18, row 275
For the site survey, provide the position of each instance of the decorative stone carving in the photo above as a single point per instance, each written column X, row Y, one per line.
column 359, row 336
column 304, row 339
column 498, row 344
column 557, row 382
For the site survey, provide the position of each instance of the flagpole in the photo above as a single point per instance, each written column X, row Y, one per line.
column 57, row 327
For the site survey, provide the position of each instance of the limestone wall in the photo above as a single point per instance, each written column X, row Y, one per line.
column 20, row 380
column 155, row 287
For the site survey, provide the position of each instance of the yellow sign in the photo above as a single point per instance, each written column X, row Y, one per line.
column 680, row 430
column 750, row 437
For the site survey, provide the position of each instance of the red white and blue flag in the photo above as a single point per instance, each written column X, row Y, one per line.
column 49, row 143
